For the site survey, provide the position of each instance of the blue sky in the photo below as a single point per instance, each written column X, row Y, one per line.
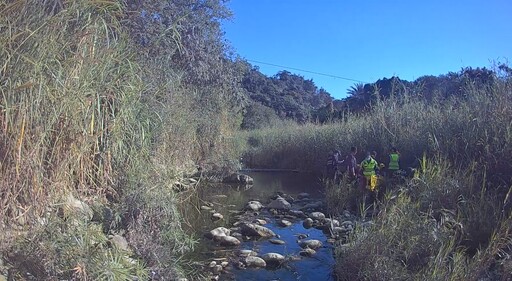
column 367, row 40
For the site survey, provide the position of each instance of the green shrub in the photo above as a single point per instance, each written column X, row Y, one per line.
column 70, row 247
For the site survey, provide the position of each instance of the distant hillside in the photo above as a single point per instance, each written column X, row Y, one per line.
column 285, row 96
column 290, row 96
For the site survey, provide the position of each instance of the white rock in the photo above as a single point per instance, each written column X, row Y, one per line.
column 273, row 258
column 228, row 241
column 279, row 204
column 252, row 261
column 311, row 243
column 217, row 216
column 251, row 229
column 260, row 221
column 219, row 231
column 246, row 253
column 317, row 215
column 308, row 223
column 253, row 206
column 284, row 223
column 217, row 269
column 307, row 252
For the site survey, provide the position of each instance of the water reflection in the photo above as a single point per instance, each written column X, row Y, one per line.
column 229, row 200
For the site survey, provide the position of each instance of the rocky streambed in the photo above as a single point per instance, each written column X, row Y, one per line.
column 274, row 236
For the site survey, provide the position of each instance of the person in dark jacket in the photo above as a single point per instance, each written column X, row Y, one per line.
column 350, row 163
column 333, row 164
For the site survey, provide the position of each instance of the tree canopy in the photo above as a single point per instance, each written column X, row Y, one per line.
column 291, row 96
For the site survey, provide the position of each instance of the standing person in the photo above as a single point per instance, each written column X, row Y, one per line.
column 394, row 161
column 351, row 163
column 333, row 163
column 370, row 168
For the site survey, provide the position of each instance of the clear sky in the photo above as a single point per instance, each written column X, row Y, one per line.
column 367, row 40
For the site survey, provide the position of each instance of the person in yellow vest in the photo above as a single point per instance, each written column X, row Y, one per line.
column 369, row 167
column 394, row 162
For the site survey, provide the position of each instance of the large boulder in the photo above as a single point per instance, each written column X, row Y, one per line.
column 251, row 229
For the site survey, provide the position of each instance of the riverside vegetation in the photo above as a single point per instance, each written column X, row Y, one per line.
column 453, row 222
column 99, row 125
column 108, row 107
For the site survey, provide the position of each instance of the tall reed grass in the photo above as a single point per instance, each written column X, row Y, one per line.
column 450, row 223
column 88, row 111
column 442, row 226
column 469, row 130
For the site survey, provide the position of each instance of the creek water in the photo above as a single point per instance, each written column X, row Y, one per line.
column 230, row 200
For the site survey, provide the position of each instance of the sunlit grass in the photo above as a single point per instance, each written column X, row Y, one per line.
column 451, row 221
column 83, row 112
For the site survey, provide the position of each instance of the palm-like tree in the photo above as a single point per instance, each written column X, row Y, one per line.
column 356, row 90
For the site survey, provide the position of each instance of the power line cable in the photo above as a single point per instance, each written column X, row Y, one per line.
column 308, row 71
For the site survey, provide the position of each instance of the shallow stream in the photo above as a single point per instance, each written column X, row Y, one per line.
column 230, row 200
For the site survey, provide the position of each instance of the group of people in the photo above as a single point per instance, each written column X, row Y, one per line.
column 366, row 171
